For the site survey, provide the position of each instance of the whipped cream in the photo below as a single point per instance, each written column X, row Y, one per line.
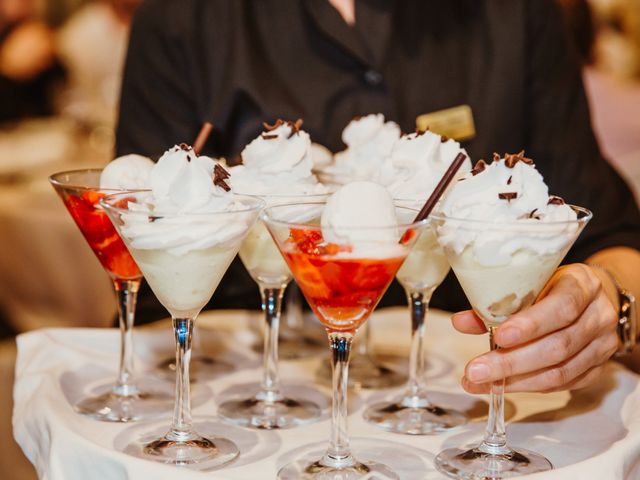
column 184, row 188
column 277, row 162
column 129, row 172
column 417, row 163
column 511, row 192
column 363, row 216
column 369, row 141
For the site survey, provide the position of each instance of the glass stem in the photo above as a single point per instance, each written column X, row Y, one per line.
column 495, row 438
column 419, row 305
column 182, row 426
column 363, row 347
column 295, row 319
column 127, row 293
column 271, row 305
column 338, row 454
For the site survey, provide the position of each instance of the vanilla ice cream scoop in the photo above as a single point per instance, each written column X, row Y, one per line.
column 129, row 172
column 360, row 213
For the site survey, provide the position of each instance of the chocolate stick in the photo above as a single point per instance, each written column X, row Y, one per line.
column 202, row 137
column 441, row 187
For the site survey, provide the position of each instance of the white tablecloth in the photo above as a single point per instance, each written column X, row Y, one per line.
column 590, row 434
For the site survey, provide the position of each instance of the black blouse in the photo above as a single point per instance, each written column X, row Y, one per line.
column 238, row 63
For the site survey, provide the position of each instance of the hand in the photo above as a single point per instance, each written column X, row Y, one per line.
column 559, row 343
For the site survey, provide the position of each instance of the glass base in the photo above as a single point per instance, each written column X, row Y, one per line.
column 192, row 451
column 110, row 407
column 365, row 372
column 413, row 417
column 201, row 369
column 265, row 414
column 478, row 464
column 347, row 469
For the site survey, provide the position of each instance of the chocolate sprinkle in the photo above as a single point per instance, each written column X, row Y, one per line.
column 444, row 139
column 512, row 159
column 496, row 157
column 294, row 126
column 185, row 147
column 479, row 167
column 509, row 181
column 533, row 214
column 152, row 218
column 267, row 136
column 508, row 196
column 219, row 177
column 268, row 127
column 554, row 200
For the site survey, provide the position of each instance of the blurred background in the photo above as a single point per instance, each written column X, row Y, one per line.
column 60, row 70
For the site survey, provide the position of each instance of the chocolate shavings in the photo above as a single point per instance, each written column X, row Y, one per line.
column 266, row 136
column 219, row 177
column 185, row 147
column 533, row 214
column 479, row 167
column 508, row 196
column 554, row 200
column 152, row 218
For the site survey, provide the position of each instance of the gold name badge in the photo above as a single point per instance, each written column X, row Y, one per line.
column 456, row 123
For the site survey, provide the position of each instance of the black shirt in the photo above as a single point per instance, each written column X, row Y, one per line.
column 238, row 63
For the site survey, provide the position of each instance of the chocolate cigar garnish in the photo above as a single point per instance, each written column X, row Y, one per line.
column 508, row 196
column 219, row 177
column 479, row 167
column 554, row 200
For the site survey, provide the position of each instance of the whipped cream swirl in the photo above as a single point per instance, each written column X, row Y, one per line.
column 417, row 163
column 510, row 210
column 277, row 162
column 369, row 141
column 172, row 216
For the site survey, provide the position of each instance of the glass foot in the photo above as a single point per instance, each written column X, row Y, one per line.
column 266, row 414
column 347, row 469
column 365, row 372
column 413, row 418
column 110, row 407
column 201, row 369
column 476, row 464
column 192, row 451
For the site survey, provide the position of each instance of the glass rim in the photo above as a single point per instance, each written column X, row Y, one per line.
column 264, row 216
column 587, row 216
column 260, row 205
column 284, row 195
column 54, row 180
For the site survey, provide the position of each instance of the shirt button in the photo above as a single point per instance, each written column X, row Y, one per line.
column 373, row 77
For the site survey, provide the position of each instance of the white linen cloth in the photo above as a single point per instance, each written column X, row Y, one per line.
column 589, row 434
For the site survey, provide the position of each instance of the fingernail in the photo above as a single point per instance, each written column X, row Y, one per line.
column 478, row 372
column 508, row 336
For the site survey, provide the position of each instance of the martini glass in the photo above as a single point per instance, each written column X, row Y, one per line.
column 364, row 370
column 506, row 282
column 422, row 272
column 269, row 408
column 183, row 257
column 343, row 282
column 124, row 401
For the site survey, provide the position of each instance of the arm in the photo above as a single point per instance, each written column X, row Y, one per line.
column 563, row 340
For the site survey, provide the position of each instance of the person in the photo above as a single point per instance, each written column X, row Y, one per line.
column 238, row 64
column 30, row 73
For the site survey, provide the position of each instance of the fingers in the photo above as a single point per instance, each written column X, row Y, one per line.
column 566, row 298
column 576, row 372
column 468, row 322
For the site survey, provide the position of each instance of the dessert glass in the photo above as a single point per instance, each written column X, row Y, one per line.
column 269, row 408
column 422, row 272
column 343, row 282
column 124, row 401
column 183, row 282
column 496, row 292
column 364, row 370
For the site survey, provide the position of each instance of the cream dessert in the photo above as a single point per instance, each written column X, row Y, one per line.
column 504, row 235
column 416, row 164
column 369, row 140
column 129, row 172
column 277, row 167
column 190, row 232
